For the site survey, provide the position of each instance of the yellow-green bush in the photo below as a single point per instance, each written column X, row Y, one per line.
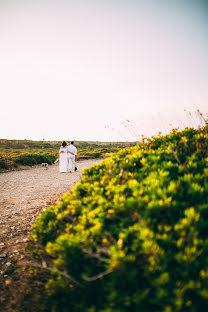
column 133, row 234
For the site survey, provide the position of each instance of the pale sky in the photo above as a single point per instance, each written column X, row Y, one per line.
column 78, row 69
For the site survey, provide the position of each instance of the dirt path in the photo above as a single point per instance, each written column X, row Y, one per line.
column 23, row 194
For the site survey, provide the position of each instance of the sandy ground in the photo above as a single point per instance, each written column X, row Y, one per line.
column 23, row 194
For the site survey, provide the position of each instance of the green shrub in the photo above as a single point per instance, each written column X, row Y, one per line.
column 132, row 235
column 31, row 159
column 3, row 164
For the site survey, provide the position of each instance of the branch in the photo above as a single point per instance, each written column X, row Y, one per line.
column 95, row 255
column 45, row 267
column 101, row 275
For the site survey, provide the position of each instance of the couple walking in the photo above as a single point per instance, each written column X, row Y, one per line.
column 67, row 157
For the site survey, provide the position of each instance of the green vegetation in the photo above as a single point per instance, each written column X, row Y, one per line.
column 28, row 153
column 132, row 235
column 12, row 159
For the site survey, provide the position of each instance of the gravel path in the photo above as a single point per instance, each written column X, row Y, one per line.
column 23, row 194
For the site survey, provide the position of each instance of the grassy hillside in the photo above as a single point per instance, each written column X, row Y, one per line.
column 29, row 144
column 132, row 235
column 24, row 152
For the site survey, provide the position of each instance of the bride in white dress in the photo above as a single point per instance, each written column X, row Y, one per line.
column 63, row 159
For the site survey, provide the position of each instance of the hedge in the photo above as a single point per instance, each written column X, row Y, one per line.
column 132, row 235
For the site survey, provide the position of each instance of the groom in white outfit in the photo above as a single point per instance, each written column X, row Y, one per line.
column 72, row 156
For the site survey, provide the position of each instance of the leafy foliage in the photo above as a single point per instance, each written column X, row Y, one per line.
column 26, row 159
column 31, row 159
column 3, row 164
column 132, row 235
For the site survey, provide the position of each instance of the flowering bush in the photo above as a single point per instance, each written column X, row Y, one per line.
column 132, row 235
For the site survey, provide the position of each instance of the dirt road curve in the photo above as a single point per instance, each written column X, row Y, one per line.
column 23, row 194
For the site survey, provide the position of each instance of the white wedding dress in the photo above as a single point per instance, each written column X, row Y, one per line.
column 63, row 159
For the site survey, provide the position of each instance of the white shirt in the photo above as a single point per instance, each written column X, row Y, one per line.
column 71, row 148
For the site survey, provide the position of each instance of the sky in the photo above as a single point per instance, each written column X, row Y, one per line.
column 101, row 70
